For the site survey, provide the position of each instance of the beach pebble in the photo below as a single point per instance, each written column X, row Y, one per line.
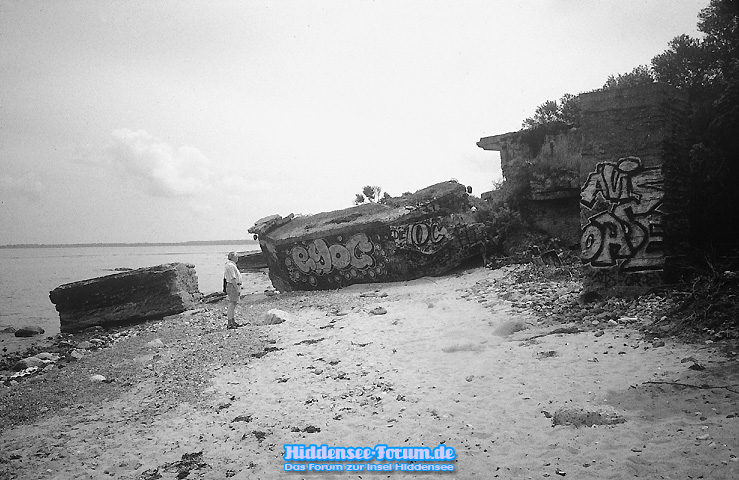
column 156, row 343
column 29, row 331
column 275, row 316
column 47, row 357
column 76, row 354
column 28, row 363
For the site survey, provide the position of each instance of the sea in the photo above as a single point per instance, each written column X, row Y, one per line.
column 28, row 274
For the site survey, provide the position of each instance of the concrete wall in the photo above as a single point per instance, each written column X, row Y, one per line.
column 543, row 169
column 633, row 205
column 617, row 185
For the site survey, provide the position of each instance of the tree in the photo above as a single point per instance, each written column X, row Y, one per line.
column 569, row 109
column 370, row 194
column 640, row 75
column 686, row 64
column 708, row 71
column 566, row 111
column 720, row 24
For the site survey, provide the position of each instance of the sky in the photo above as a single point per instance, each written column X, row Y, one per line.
column 169, row 121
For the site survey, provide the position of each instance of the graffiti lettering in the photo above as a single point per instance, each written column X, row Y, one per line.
column 359, row 248
column 607, row 278
column 318, row 252
column 427, row 237
column 626, row 229
column 319, row 258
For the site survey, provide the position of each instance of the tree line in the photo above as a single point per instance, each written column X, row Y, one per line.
column 707, row 70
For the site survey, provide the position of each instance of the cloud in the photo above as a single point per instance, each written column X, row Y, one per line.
column 156, row 167
column 26, row 186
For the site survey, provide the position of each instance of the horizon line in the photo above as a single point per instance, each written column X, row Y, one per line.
column 128, row 244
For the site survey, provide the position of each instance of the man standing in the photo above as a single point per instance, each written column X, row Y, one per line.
column 232, row 279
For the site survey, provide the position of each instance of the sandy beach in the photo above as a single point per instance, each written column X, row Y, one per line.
column 474, row 361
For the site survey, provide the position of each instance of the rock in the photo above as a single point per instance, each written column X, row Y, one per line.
column 47, row 357
column 142, row 294
column 24, row 373
column 274, row 317
column 29, row 331
column 97, row 378
column 76, row 354
column 156, row 343
column 378, row 311
column 589, row 297
column 8, row 330
column 579, row 416
column 28, row 363
column 84, row 345
column 251, row 261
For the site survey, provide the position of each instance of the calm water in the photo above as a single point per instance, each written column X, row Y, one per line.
column 27, row 275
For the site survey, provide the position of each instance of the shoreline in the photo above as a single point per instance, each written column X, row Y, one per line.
column 255, row 281
column 478, row 360
column 191, row 243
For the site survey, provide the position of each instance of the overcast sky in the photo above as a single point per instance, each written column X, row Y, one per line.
column 156, row 121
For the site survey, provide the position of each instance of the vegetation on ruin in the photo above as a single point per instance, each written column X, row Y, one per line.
column 370, row 194
column 565, row 112
column 706, row 69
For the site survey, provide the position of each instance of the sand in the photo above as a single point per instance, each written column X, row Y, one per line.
column 436, row 361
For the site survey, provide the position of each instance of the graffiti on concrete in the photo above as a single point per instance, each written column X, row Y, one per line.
column 339, row 261
column 428, row 236
column 607, row 278
column 624, row 225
